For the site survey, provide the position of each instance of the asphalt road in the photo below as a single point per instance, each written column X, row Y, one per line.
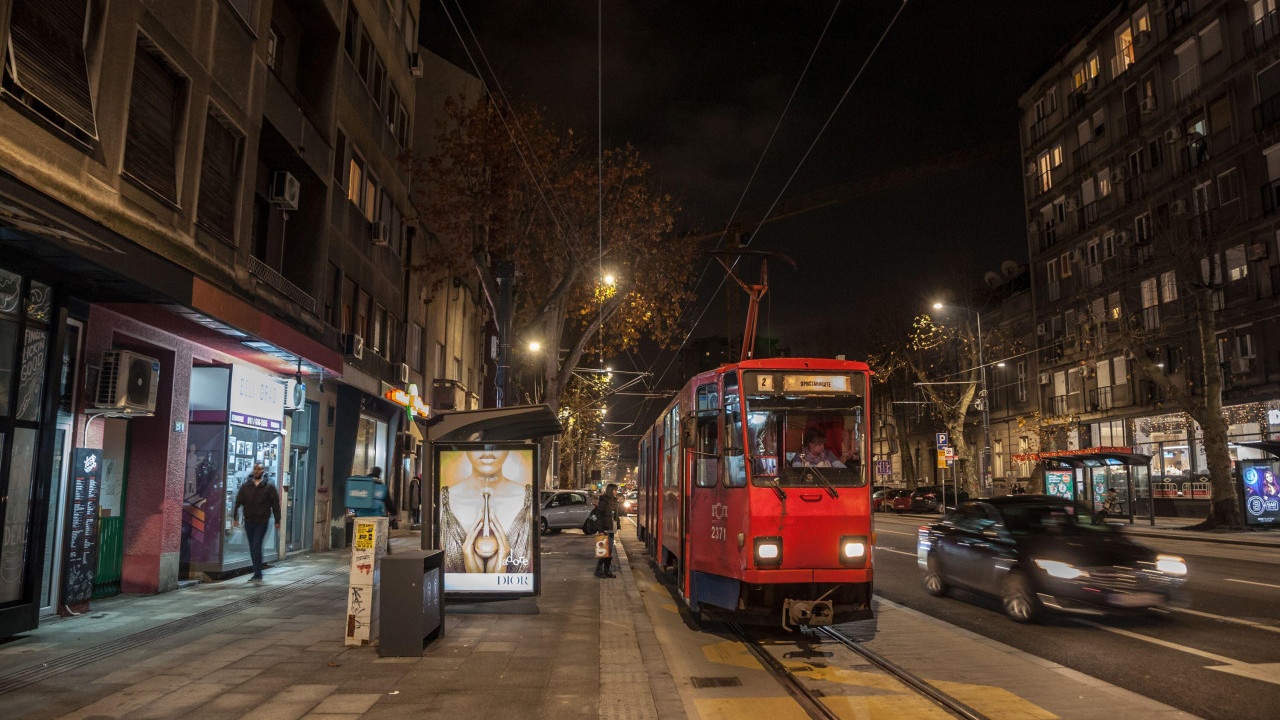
column 1180, row 657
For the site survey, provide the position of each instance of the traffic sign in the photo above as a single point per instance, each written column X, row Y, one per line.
column 942, row 440
column 942, row 460
column 950, row 452
column 884, row 467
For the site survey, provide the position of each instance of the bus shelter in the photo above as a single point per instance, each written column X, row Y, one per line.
column 1085, row 476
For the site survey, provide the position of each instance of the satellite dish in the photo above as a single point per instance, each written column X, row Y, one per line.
column 299, row 394
column 1009, row 268
column 992, row 279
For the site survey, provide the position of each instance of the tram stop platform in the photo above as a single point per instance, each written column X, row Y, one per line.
column 586, row 648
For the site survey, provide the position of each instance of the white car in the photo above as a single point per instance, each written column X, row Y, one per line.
column 565, row 509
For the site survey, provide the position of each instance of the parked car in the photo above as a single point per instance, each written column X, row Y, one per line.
column 565, row 509
column 881, row 499
column 900, row 501
column 929, row 498
column 1038, row 553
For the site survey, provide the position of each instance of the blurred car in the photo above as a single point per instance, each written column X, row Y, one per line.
column 565, row 509
column 629, row 504
column 882, row 500
column 900, row 501
column 1038, row 553
column 929, row 498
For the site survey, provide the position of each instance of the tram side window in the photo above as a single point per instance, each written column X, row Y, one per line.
column 707, row 462
column 671, row 477
column 735, row 473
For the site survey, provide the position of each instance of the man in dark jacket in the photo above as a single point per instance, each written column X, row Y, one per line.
column 260, row 501
column 607, row 522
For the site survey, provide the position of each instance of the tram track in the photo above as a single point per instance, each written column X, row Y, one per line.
column 811, row 699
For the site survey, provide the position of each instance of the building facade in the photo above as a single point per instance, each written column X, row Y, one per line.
column 1151, row 151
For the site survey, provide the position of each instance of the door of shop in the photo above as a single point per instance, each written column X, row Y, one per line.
column 300, row 513
column 51, row 579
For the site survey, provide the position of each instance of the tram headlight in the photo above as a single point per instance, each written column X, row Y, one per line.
column 853, row 550
column 768, row 551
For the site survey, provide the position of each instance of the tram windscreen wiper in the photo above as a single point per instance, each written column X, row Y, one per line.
column 782, row 495
column 825, row 482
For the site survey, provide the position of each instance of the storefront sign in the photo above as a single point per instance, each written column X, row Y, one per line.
column 1033, row 457
column 487, row 517
column 81, row 546
column 408, row 400
column 815, row 383
column 1060, row 483
column 1261, row 495
column 257, row 399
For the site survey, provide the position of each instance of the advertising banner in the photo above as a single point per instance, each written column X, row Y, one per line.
column 1060, row 483
column 257, row 399
column 1261, row 495
column 80, row 559
column 488, row 519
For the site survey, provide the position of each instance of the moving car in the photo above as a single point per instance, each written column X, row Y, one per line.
column 629, row 504
column 1038, row 553
column 882, row 500
column 565, row 509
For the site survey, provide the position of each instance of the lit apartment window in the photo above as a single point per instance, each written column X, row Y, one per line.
column 1057, row 155
column 1169, row 286
column 1113, row 306
column 1094, row 66
column 1045, row 178
column 157, row 102
column 1104, row 182
column 355, row 178
column 1124, row 48
column 1150, row 296
column 1237, row 265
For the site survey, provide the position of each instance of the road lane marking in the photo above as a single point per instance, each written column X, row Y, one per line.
column 900, row 552
column 895, row 532
column 1226, row 618
column 1162, row 643
column 1251, row 582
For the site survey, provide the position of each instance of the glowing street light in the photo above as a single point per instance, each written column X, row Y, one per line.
column 937, row 306
column 609, row 279
column 535, row 346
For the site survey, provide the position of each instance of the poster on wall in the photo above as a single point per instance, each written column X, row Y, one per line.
column 488, row 519
column 81, row 549
column 1261, row 495
column 1059, row 483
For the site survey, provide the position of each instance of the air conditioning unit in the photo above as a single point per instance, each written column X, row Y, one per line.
column 1119, row 174
column 1171, row 135
column 128, row 383
column 448, row 394
column 1178, row 207
column 1148, row 104
column 1044, row 377
column 295, row 395
column 404, row 372
column 415, row 64
column 285, row 190
column 1142, row 38
column 353, row 345
column 381, row 233
column 1040, row 329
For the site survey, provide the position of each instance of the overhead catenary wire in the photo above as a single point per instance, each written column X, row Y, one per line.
column 817, row 137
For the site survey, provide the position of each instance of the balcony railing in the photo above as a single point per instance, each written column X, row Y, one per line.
column 1263, row 32
column 281, row 284
column 1187, row 84
column 1058, row 406
column 1076, row 100
column 1267, row 113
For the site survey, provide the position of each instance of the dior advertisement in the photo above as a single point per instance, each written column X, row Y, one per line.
column 488, row 518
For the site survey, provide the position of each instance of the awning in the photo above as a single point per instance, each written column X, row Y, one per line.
column 1271, row 447
column 522, row 422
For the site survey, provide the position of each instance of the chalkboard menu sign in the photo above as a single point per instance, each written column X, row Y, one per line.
column 82, row 526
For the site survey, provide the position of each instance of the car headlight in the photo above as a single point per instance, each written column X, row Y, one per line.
column 1171, row 565
column 768, row 551
column 1061, row 570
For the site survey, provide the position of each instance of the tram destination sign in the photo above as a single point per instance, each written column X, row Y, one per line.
column 815, row 383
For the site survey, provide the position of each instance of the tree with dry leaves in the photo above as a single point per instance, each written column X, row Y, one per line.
column 504, row 185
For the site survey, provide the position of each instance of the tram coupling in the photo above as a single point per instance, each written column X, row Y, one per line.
column 806, row 613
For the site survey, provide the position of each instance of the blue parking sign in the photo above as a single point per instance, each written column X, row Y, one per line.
column 942, row 440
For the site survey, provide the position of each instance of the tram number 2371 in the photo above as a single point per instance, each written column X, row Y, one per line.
column 717, row 533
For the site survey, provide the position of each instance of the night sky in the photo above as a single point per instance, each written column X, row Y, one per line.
column 699, row 86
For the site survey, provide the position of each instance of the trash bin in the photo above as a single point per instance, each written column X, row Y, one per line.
column 411, row 604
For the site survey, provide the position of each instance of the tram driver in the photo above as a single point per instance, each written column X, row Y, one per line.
column 815, row 452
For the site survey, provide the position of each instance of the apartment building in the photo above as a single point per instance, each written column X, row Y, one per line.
column 1151, row 151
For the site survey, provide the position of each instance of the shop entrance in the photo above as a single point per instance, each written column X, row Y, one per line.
column 300, row 513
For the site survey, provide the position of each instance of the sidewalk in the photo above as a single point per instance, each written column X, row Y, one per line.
column 232, row 650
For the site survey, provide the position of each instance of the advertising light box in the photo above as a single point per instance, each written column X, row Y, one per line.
column 1060, row 483
column 1261, row 495
column 488, row 518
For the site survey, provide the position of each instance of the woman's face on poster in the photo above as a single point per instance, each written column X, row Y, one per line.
column 487, row 462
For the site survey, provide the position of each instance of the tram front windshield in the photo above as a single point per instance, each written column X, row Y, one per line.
column 809, row 442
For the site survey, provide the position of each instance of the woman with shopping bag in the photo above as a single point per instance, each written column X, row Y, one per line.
column 607, row 523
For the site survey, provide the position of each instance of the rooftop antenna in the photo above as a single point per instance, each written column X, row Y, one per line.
column 754, row 292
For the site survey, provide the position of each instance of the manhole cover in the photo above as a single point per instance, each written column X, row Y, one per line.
column 708, row 682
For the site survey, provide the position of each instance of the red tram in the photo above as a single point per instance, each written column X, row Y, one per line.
column 753, row 490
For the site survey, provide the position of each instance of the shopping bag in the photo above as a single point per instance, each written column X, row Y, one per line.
column 602, row 546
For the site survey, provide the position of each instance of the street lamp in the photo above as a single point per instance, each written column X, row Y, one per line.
column 609, row 279
column 535, row 346
column 985, row 457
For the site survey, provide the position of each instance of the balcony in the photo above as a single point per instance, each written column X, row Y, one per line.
column 1076, row 100
column 1186, row 85
column 1039, row 128
column 1100, row 399
column 1263, row 32
column 281, row 284
column 1058, row 406
column 1266, row 114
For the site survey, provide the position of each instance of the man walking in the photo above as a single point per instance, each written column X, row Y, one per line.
column 260, row 501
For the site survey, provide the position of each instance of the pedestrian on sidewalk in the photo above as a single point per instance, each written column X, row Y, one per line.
column 260, row 502
column 414, row 500
column 607, row 518
column 1110, row 505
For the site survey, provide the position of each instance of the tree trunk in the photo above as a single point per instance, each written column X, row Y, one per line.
column 1225, row 510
